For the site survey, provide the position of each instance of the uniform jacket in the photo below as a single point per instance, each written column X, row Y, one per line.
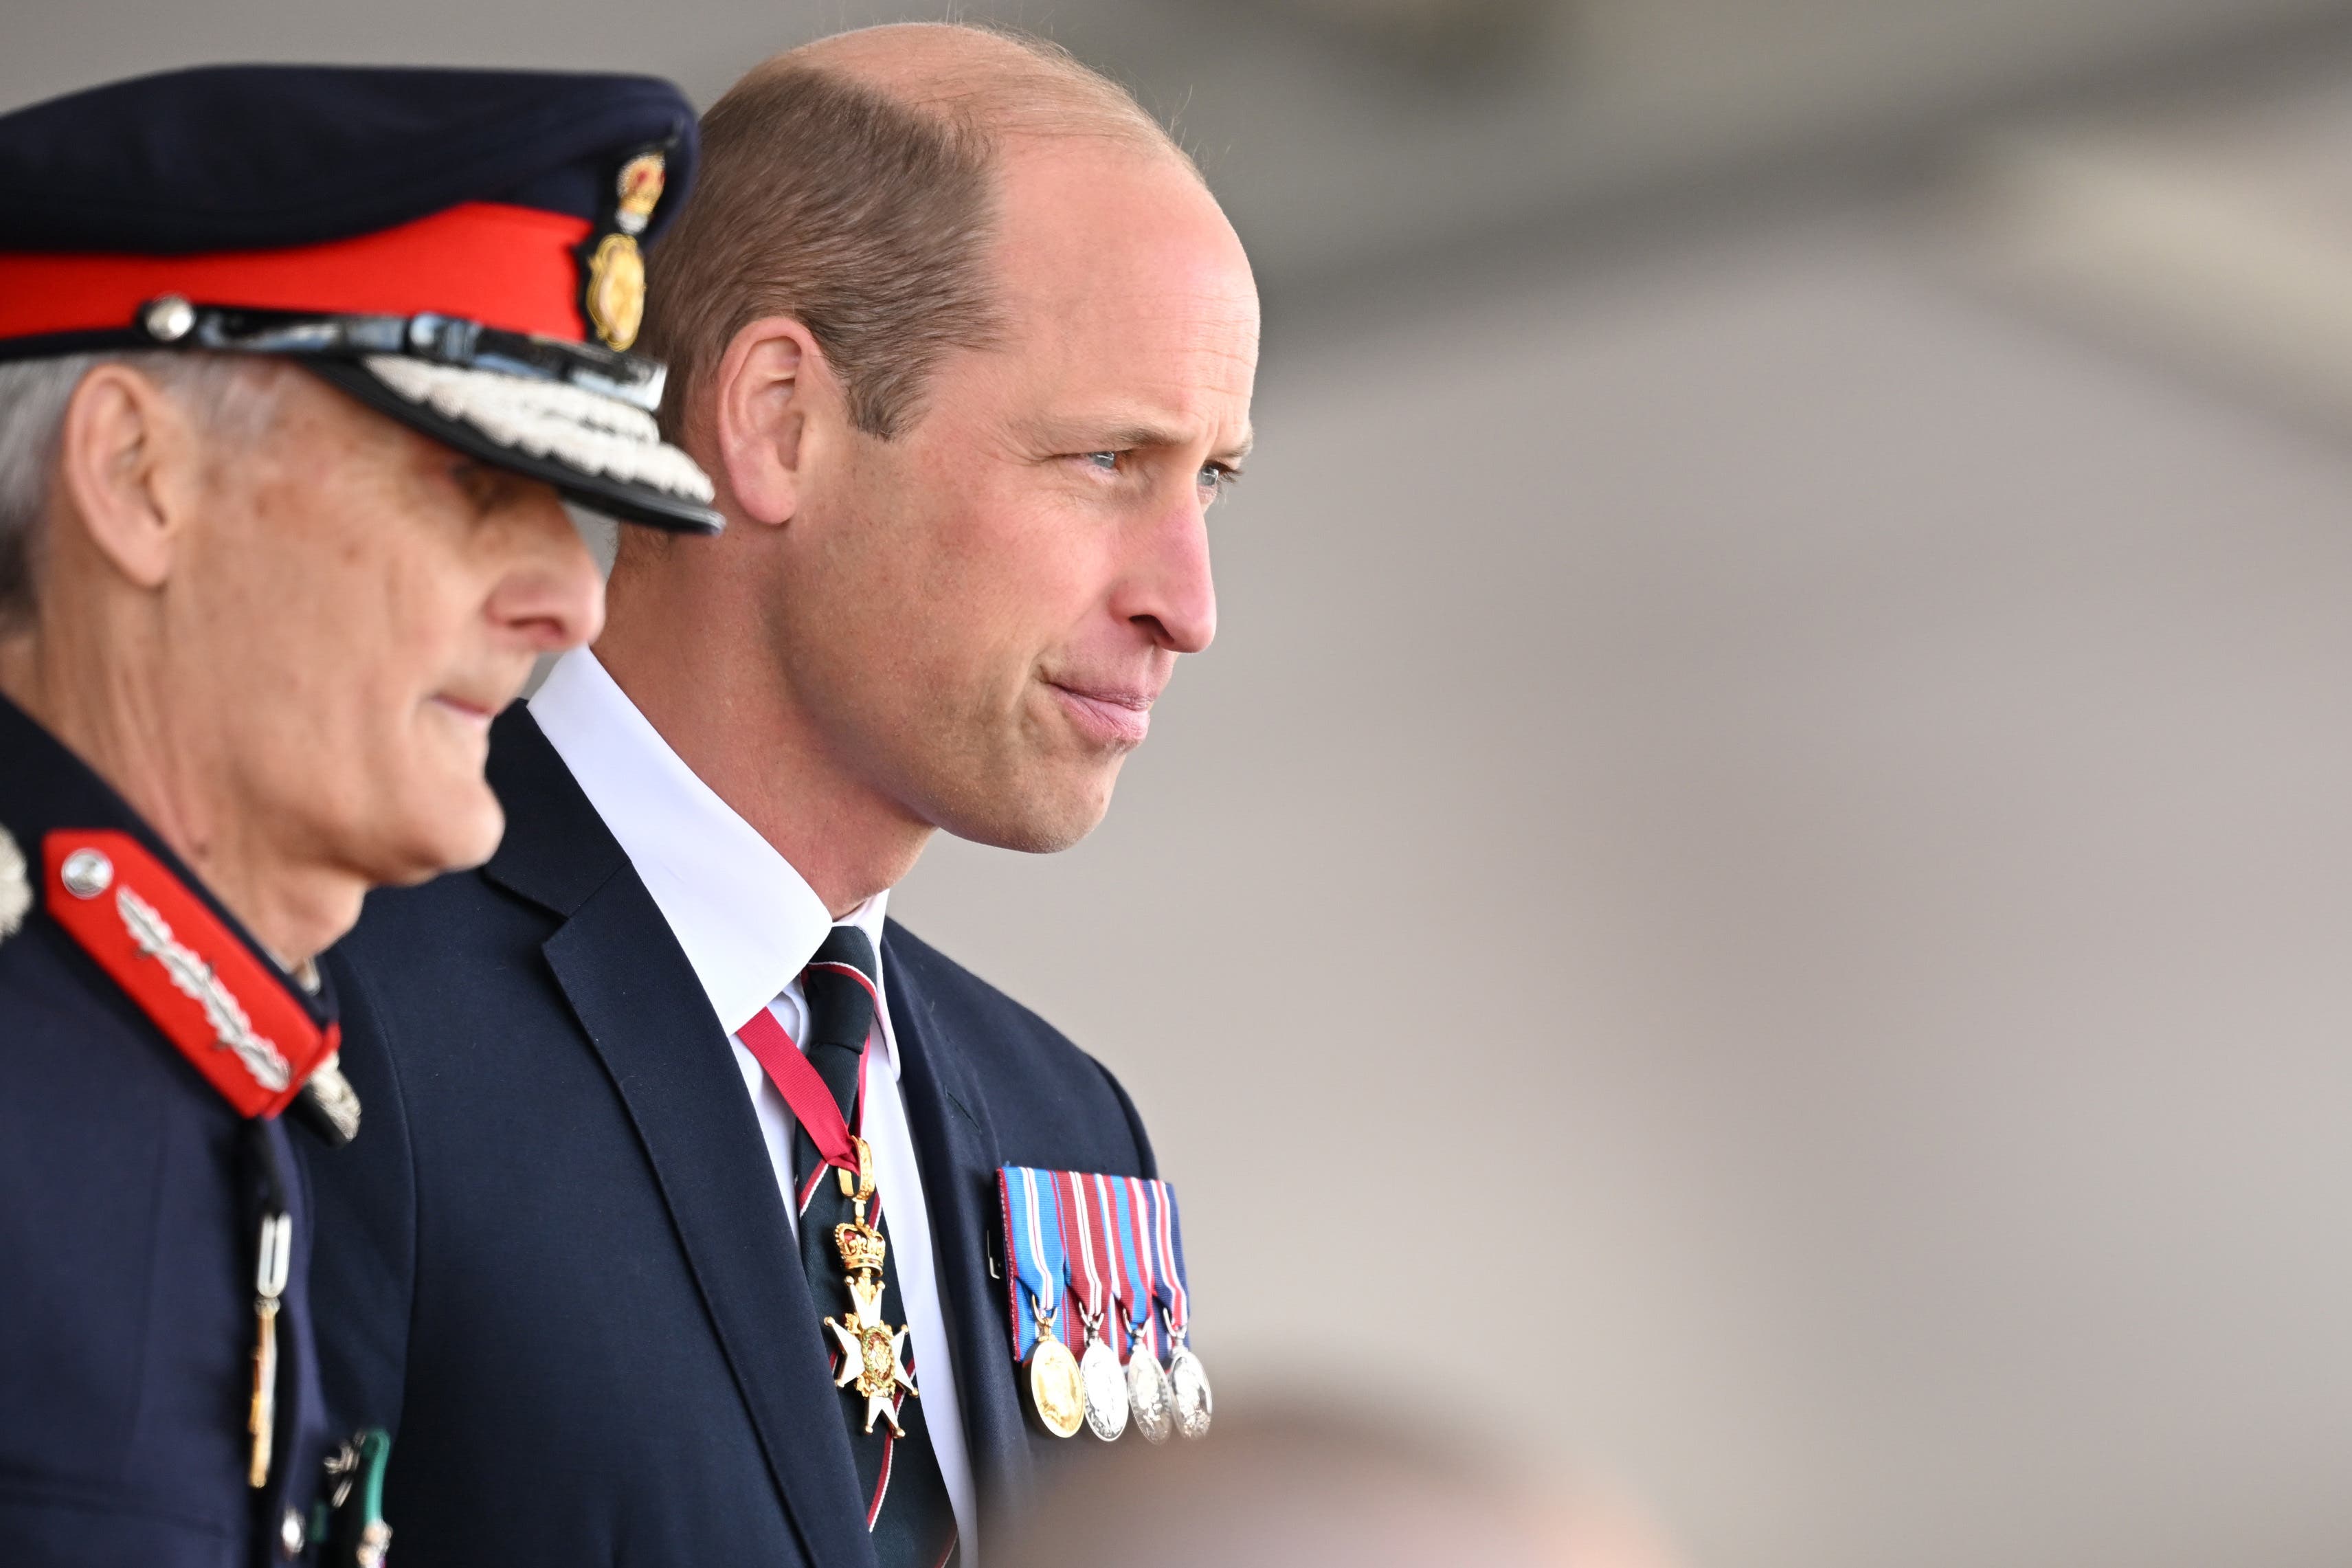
column 562, row 1275
column 129, row 1202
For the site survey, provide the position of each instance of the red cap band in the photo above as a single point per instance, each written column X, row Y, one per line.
column 503, row 266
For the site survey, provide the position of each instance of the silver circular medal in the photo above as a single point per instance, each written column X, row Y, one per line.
column 1098, row 1369
column 1150, row 1398
column 1189, row 1382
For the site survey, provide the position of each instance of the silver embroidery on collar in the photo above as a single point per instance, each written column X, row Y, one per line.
column 195, row 979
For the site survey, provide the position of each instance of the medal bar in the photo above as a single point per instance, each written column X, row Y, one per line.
column 1099, row 1310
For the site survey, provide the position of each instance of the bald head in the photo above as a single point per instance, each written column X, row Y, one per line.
column 1011, row 87
column 855, row 184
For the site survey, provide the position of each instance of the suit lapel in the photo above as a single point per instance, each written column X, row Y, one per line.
column 958, row 1152
column 643, row 1011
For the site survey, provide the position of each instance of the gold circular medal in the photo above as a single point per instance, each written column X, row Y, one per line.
column 1150, row 1399
column 1189, row 1381
column 1106, row 1390
column 1055, row 1390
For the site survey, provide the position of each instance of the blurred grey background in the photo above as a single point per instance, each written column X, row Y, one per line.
column 1770, row 830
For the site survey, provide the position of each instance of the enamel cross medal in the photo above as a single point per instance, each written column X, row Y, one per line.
column 872, row 1353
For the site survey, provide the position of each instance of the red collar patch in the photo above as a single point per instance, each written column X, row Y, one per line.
column 228, row 1013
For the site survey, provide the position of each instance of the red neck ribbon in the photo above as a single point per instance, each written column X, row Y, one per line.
column 797, row 1079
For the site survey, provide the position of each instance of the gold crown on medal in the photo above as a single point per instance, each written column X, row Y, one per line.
column 862, row 1246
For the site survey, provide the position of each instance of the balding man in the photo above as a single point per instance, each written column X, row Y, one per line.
column 967, row 349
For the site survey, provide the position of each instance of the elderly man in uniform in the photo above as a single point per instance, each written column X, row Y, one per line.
column 687, row 1238
column 296, row 368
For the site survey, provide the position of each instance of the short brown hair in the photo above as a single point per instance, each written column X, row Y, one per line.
column 863, row 215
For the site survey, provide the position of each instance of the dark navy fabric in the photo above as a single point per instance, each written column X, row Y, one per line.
column 253, row 157
column 558, row 1263
column 128, row 1208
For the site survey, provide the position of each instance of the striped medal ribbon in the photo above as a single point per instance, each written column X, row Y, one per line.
column 1086, row 1242
column 1034, row 1241
column 1150, row 1399
column 1187, row 1378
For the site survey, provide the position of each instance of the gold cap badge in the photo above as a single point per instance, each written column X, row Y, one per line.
column 615, row 297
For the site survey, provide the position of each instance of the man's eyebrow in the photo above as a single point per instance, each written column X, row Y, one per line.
column 1121, row 437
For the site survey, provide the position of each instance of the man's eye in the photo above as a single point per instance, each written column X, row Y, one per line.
column 480, row 485
column 1217, row 478
column 1106, row 462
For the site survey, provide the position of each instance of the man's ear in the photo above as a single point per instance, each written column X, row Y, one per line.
column 129, row 462
column 769, row 384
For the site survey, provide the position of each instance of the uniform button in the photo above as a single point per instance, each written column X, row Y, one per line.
column 87, row 873
column 291, row 1535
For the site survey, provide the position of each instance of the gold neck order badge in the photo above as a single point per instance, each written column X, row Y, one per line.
column 872, row 1353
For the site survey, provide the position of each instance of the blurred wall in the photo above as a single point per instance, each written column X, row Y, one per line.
column 1755, row 893
column 1752, row 898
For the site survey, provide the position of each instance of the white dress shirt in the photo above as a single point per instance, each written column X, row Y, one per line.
column 749, row 924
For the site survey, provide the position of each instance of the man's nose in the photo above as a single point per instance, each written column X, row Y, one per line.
column 551, row 596
column 1167, row 588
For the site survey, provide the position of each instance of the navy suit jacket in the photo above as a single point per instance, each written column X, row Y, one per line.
column 557, row 1265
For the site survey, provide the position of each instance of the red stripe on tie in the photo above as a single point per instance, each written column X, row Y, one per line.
column 857, row 974
column 803, row 1088
column 505, row 266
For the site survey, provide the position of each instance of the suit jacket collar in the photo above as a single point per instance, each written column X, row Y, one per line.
column 960, row 1153
column 644, row 1013
column 556, row 851
column 747, row 918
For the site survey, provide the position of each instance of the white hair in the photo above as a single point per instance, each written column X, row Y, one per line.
column 232, row 396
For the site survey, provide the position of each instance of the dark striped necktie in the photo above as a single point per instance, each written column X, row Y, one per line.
column 906, row 1506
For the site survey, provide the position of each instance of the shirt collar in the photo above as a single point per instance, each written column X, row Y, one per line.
column 748, row 922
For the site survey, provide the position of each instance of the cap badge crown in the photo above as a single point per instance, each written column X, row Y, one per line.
column 639, row 189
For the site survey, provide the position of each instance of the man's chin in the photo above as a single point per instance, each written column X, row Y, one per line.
column 459, row 830
column 1043, row 818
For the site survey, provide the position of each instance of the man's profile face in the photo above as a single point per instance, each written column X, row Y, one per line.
column 357, row 602
column 1003, row 589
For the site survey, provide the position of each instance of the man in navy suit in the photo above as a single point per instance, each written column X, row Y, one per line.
column 967, row 348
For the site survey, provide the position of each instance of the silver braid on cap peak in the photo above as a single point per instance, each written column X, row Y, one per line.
column 579, row 429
